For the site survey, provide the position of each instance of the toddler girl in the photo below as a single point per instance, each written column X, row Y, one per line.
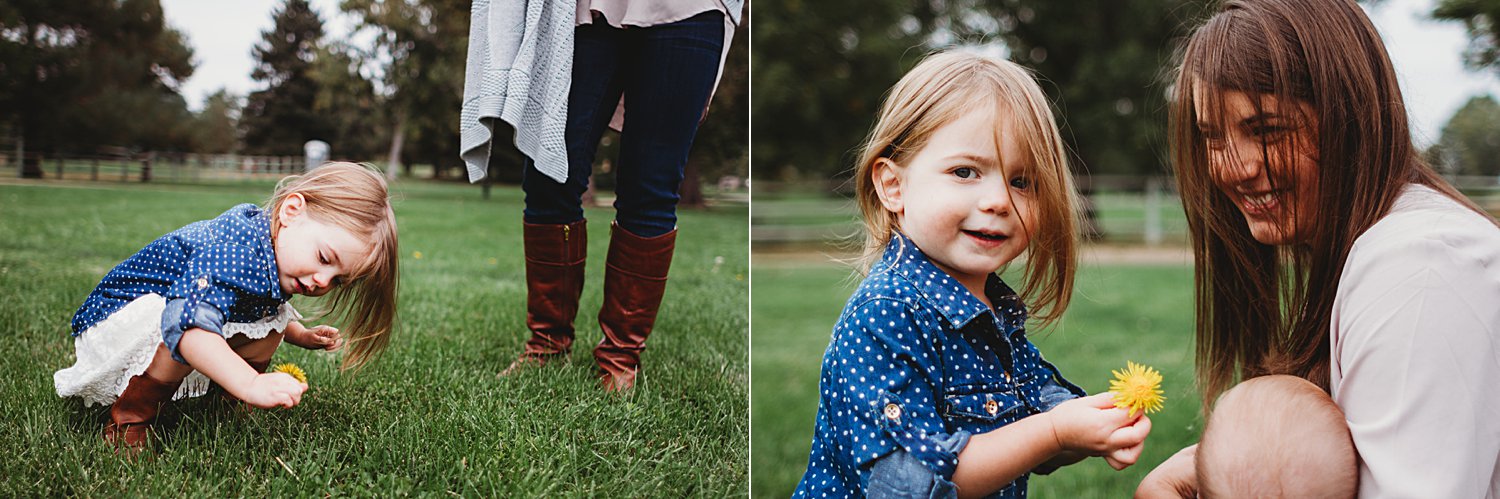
column 930, row 386
column 209, row 301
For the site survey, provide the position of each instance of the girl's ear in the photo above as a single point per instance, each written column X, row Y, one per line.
column 888, row 185
column 292, row 207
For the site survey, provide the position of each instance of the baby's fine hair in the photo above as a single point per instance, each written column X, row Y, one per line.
column 355, row 198
column 1277, row 436
column 936, row 92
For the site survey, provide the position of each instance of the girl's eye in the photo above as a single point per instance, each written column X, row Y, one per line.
column 322, row 259
column 965, row 172
column 1021, row 182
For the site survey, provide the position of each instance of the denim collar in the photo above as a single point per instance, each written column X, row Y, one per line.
column 950, row 298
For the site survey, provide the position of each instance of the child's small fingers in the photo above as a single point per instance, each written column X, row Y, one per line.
column 1100, row 400
column 1124, row 437
column 1130, row 435
column 1117, row 465
column 1142, row 423
column 1128, row 455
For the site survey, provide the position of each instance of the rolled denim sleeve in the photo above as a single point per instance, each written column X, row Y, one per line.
column 901, row 475
column 883, row 364
column 1054, row 393
column 204, row 316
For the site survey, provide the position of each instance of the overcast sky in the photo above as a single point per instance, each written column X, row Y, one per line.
column 1427, row 54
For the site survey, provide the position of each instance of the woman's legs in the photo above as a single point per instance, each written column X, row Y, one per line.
column 668, row 77
column 555, row 233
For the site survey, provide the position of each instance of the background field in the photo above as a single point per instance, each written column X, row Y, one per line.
column 1120, row 312
column 430, row 418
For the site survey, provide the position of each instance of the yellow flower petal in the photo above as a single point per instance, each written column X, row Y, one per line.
column 291, row 369
column 1137, row 388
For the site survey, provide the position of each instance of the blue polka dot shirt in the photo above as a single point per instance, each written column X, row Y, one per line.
column 916, row 364
column 211, row 272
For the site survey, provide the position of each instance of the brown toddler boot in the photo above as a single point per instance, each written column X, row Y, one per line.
column 635, row 278
column 133, row 413
column 555, row 256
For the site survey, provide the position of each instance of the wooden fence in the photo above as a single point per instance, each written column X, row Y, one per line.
column 170, row 167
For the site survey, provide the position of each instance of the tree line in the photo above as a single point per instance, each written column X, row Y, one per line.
column 821, row 69
column 79, row 75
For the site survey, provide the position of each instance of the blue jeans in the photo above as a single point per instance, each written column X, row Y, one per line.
column 666, row 74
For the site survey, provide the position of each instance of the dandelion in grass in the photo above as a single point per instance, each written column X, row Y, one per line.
column 1138, row 388
column 291, row 369
column 416, row 255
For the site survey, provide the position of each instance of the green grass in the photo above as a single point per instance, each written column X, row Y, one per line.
column 430, row 418
column 1118, row 313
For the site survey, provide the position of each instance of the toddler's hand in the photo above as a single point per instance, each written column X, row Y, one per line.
column 1094, row 426
column 314, row 338
column 1123, row 457
column 274, row 389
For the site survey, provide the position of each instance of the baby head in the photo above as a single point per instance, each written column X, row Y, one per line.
column 965, row 159
column 334, row 233
column 1277, row 436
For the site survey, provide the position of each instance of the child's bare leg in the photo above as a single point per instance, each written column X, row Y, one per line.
column 257, row 352
column 164, row 368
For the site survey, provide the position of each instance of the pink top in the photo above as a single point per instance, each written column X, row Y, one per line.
column 1416, row 350
column 643, row 13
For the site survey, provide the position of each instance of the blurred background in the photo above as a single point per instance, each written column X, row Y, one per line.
column 143, row 90
column 820, row 71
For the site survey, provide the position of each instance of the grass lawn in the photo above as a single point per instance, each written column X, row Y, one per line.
column 1118, row 313
column 430, row 417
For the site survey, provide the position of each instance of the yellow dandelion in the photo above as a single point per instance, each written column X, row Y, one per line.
column 494, row 261
column 291, row 369
column 1138, row 388
column 416, row 255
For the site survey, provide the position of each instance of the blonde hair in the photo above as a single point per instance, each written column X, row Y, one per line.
column 939, row 90
column 355, row 198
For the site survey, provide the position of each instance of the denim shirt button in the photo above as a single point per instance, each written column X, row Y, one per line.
column 991, row 406
column 892, row 411
column 202, row 282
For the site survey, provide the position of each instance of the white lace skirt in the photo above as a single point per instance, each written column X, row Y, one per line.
column 122, row 345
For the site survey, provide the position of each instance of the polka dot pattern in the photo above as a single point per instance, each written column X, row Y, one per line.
column 226, row 262
column 914, row 358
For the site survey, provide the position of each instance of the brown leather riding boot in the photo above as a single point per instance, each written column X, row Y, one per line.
column 554, row 280
column 635, row 278
column 133, row 413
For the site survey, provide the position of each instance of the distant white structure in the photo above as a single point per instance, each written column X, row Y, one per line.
column 317, row 153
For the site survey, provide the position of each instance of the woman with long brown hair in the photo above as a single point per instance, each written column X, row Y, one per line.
column 1326, row 248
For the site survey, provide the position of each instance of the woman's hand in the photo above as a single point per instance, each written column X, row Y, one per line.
column 270, row 390
column 1174, row 478
column 314, row 338
column 1094, row 426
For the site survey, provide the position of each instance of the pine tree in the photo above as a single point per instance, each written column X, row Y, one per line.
column 280, row 118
